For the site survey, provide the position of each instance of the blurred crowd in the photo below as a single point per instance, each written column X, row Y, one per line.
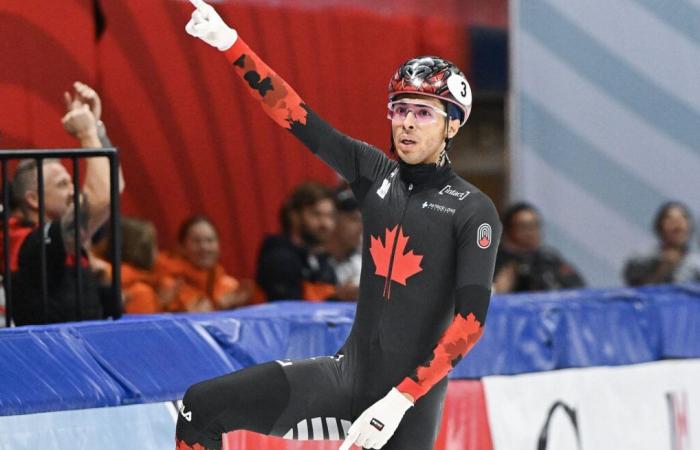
column 315, row 257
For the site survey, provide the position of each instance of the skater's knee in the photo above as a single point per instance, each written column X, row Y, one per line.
column 195, row 423
column 196, row 408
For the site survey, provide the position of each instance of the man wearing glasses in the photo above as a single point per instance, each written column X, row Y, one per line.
column 430, row 241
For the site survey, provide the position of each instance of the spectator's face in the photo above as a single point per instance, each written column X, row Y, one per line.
column 201, row 245
column 348, row 229
column 675, row 228
column 417, row 142
column 525, row 230
column 58, row 190
column 317, row 222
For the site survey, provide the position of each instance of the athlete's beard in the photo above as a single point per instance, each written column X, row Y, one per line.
column 443, row 158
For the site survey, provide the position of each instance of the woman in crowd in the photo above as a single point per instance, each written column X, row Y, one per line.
column 672, row 260
column 143, row 292
column 200, row 282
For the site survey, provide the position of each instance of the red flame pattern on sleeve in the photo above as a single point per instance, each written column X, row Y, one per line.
column 182, row 445
column 279, row 100
column 456, row 342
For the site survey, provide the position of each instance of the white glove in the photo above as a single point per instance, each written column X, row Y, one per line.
column 377, row 424
column 207, row 25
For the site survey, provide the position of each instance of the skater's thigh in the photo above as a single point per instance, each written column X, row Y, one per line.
column 252, row 399
column 319, row 401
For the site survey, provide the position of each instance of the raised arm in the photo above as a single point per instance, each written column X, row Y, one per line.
column 82, row 122
column 353, row 159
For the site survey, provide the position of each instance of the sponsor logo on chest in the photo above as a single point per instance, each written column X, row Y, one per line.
column 449, row 190
column 439, row 208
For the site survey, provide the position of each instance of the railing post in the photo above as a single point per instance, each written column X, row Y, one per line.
column 115, row 236
column 7, row 279
column 42, row 240
column 77, row 247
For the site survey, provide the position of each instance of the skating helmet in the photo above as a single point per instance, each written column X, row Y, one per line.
column 434, row 77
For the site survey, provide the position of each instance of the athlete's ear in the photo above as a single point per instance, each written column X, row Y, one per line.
column 452, row 128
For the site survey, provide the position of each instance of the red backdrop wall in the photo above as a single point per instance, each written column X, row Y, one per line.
column 191, row 139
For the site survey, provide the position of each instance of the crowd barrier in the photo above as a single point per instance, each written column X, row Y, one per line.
column 143, row 362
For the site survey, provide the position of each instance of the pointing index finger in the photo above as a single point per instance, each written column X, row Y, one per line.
column 199, row 4
column 349, row 440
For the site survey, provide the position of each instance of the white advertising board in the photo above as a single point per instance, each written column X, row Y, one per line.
column 653, row 406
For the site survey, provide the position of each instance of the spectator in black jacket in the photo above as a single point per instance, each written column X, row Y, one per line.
column 294, row 265
column 523, row 263
column 82, row 122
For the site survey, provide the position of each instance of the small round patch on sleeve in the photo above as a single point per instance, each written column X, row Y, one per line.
column 483, row 236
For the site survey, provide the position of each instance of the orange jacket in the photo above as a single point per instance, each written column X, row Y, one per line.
column 194, row 288
column 140, row 290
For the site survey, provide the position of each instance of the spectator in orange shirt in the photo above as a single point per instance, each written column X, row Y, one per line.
column 143, row 292
column 201, row 283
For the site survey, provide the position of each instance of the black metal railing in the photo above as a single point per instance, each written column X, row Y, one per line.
column 115, row 236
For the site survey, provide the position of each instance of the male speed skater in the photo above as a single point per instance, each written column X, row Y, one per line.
column 430, row 241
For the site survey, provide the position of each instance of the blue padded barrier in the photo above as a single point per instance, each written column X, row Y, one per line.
column 678, row 312
column 46, row 368
column 154, row 358
column 613, row 329
column 93, row 364
column 517, row 338
column 279, row 330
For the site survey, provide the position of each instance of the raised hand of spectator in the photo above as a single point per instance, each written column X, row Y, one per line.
column 81, row 124
column 83, row 95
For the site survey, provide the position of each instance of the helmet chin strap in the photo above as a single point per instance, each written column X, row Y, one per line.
column 443, row 158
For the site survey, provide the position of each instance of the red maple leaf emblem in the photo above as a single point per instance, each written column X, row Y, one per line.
column 404, row 265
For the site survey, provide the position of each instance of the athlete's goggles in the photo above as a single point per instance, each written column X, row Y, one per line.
column 422, row 114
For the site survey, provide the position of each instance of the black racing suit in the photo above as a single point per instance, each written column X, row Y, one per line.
column 430, row 241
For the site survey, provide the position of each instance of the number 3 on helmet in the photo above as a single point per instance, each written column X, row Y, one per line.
column 433, row 77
